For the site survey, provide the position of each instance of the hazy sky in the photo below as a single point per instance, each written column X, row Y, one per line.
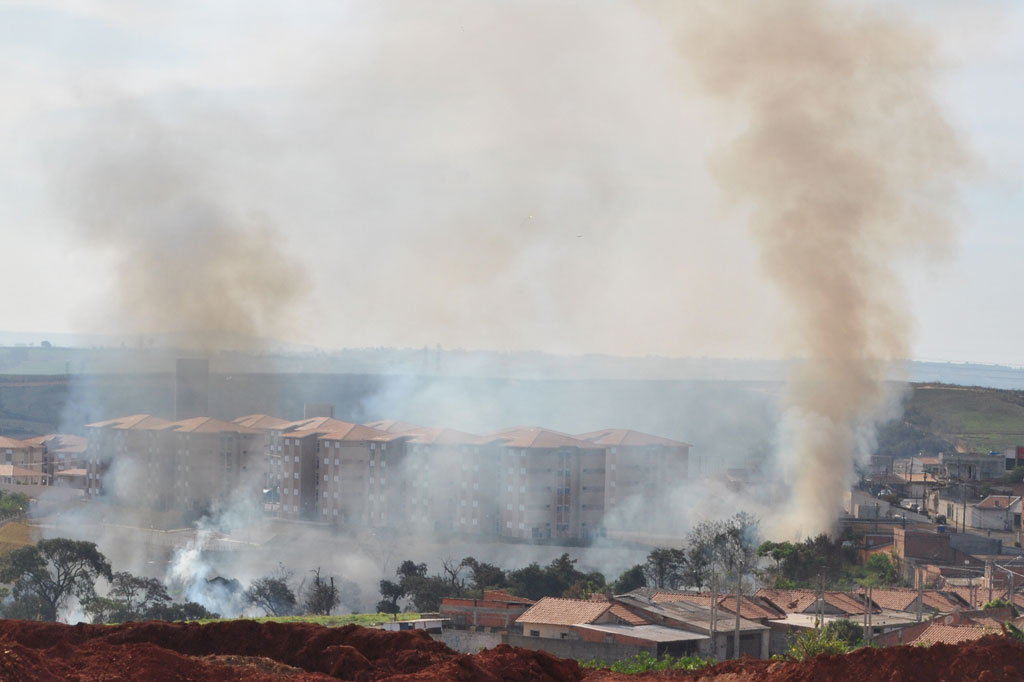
column 527, row 175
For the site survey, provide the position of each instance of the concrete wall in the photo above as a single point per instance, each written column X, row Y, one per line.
column 576, row 648
column 468, row 641
column 970, row 543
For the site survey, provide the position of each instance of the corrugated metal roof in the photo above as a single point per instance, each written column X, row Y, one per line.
column 652, row 633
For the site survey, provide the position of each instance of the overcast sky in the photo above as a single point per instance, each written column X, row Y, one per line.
column 527, row 175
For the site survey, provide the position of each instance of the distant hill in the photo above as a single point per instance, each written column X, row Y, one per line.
column 972, row 418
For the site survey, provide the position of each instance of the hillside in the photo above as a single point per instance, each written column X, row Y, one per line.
column 973, row 419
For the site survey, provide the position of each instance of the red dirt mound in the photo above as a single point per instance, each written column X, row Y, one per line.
column 254, row 652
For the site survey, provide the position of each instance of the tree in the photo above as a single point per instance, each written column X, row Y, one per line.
column 272, row 594
column 323, row 596
column 391, row 593
column 816, row 641
column 130, row 598
column 846, row 631
column 452, row 571
column 484, row 575
column 186, row 611
column 665, row 567
column 50, row 572
column 631, row 579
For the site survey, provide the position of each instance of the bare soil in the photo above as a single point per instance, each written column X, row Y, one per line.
column 301, row 652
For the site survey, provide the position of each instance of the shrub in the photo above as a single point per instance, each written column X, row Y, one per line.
column 645, row 662
column 816, row 641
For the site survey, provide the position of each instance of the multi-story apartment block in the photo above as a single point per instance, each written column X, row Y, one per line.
column 525, row 482
column 61, row 452
column 551, row 484
column 21, row 461
column 361, row 477
column 638, row 471
column 124, row 443
column 214, row 462
column 192, row 465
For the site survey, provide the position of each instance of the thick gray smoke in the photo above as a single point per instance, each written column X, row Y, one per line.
column 846, row 165
column 188, row 257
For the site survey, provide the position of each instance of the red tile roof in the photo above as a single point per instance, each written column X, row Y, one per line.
column 950, row 634
column 394, row 426
column 500, row 595
column 14, row 444
column 627, row 437
column 554, row 611
column 135, row 421
column 261, row 421
column 537, row 437
column 350, row 432
column 11, row 471
column 997, row 501
column 803, row 601
column 749, row 609
column 208, row 425
column 443, row 436
column 624, row 614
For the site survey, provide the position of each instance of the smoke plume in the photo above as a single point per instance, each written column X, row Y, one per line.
column 846, row 165
column 186, row 259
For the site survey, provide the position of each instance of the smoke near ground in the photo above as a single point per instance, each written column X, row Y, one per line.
column 522, row 177
column 846, row 166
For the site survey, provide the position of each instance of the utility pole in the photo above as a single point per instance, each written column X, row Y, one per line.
column 991, row 576
column 714, row 611
column 739, row 594
column 920, row 594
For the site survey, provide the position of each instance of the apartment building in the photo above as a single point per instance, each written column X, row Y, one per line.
column 214, row 462
column 551, row 484
column 25, row 455
column 525, row 482
column 190, row 465
column 639, row 470
column 61, row 452
column 123, row 442
column 360, row 478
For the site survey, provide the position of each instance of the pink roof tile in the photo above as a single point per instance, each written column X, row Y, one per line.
column 554, row 611
column 628, row 437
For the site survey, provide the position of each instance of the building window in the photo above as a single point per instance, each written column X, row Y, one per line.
column 534, row 633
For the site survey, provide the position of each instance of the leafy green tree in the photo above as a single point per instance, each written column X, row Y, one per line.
column 12, row 504
column 883, row 568
column 814, row 642
column 47, row 574
column 665, row 568
column 272, row 594
column 130, row 598
column 589, row 584
column 845, row 630
column 484, row 575
column 631, row 579
column 390, row 592
column 187, row 611
column 323, row 597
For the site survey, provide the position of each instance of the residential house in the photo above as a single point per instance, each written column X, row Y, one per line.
column 495, row 611
column 996, row 512
column 599, row 629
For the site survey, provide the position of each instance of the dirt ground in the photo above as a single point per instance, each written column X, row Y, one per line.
column 300, row 652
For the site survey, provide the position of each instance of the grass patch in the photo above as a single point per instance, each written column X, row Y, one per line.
column 979, row 419
column 364, row 619
column 14, row 535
